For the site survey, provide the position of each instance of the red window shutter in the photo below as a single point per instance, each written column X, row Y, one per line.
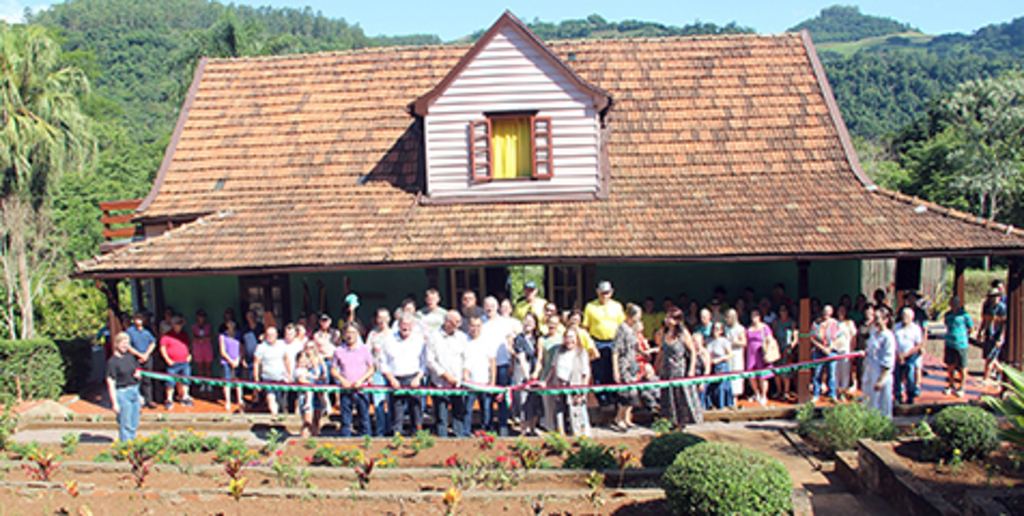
column 480, row 150
column 541, row 134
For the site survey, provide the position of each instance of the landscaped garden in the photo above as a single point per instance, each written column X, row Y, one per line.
column 195, row 473
column 948, row 456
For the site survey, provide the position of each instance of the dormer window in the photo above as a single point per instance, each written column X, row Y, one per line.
column 488, row 125
column 511, row 146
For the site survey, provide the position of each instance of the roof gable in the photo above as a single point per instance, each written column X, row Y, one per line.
column 421, row 106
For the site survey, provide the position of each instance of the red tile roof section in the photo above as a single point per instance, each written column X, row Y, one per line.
column 721, row 148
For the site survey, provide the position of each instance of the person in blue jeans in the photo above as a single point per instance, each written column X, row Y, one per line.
column 909, row 343
column 353, row 367
column 823, row 337
column 123, row 388
column 719, row 394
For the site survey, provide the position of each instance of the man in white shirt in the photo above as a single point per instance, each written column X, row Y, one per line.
column 272, row 364
column 404, row 362
column 499, row 332
column 446, row 360
column 909, row 342
column 479, row 368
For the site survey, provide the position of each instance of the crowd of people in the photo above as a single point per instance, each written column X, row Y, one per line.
column 535, row 344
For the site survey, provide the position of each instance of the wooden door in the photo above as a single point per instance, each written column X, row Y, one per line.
column 267, row 293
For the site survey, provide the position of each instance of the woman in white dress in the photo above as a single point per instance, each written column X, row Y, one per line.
column 879, row 361
column 843, row 344
column 737, row 334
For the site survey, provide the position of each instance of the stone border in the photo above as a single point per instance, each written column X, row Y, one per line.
column 983, row 502
column 354, row 495
column 422, row 473
column 881, row 472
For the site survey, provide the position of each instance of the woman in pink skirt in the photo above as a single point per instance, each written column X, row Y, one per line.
column 202, row 347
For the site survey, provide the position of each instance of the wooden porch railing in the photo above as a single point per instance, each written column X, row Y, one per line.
column 117, row 227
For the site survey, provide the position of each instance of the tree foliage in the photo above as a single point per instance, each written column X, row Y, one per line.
column 595, row 26
column 43, row 134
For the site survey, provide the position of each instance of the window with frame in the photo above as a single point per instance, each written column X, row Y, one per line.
column 565, row 286
column 510, row 146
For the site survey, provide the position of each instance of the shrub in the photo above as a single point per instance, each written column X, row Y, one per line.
column 971, row 430
column 1011, row 407
column 39, row 361
column 8, row 424
column 726, row 479
column 76, row 355
column 590, row 455
column 842, row 425
column 662, row 450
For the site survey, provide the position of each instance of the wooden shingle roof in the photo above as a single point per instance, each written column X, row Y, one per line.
column 720, row 148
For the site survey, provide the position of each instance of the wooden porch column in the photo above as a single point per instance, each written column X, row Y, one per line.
column 109, row 289
column 958, row 277
column 803, row 377
column 1013, row 350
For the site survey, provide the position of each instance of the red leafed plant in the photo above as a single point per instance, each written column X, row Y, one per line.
column 363, row 471
column 43, row 465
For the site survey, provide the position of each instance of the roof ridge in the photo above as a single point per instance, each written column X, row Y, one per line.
column 455, row 45
column 948, row 212
column 679, row 37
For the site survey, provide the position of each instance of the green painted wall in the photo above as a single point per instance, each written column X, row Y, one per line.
column 375, row 289
column 634, row 282
column 212, row 293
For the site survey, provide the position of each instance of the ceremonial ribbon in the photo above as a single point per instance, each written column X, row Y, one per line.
column 469, row 388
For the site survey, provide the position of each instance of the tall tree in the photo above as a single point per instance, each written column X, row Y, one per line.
column 43, row 133
column 988, row 120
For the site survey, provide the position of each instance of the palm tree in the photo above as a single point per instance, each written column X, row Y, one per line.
column 43, row 133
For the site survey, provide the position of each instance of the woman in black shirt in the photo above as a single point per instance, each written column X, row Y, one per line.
column 123, row 387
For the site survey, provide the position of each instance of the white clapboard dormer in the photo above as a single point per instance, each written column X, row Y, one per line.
column 511, row 122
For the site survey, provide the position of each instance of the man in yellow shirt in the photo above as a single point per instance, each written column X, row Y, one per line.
column 532, row 303
column 601, row 319
column 652, row 320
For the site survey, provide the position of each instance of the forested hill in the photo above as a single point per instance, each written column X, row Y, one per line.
column 846, row 23
column 137, row 45
column 884, row 81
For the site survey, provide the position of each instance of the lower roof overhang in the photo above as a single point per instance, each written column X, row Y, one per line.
column 558, row 260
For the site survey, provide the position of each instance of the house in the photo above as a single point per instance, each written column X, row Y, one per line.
column 662, row 164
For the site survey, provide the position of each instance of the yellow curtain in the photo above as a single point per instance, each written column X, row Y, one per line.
column 510, row 139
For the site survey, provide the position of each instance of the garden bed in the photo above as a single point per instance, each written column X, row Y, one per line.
column 952, row 481
column 189, row 472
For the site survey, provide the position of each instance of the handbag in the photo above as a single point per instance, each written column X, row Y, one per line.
column 770, row 350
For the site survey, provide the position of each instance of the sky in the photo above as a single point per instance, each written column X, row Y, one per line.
column 453, row 19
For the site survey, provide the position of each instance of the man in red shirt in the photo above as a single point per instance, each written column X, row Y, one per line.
column 175, row 351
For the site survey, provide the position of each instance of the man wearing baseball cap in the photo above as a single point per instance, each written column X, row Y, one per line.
column 532, row 302
column 601, row 319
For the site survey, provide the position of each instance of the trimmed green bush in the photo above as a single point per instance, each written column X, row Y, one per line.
column 971, row 430
column 841, row 426
column 39, row 361
column 662, row 450
column 726, row 479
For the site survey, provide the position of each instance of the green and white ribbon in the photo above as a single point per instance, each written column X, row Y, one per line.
column 475, row 388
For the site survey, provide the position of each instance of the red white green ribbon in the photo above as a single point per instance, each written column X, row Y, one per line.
column 469, row 388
